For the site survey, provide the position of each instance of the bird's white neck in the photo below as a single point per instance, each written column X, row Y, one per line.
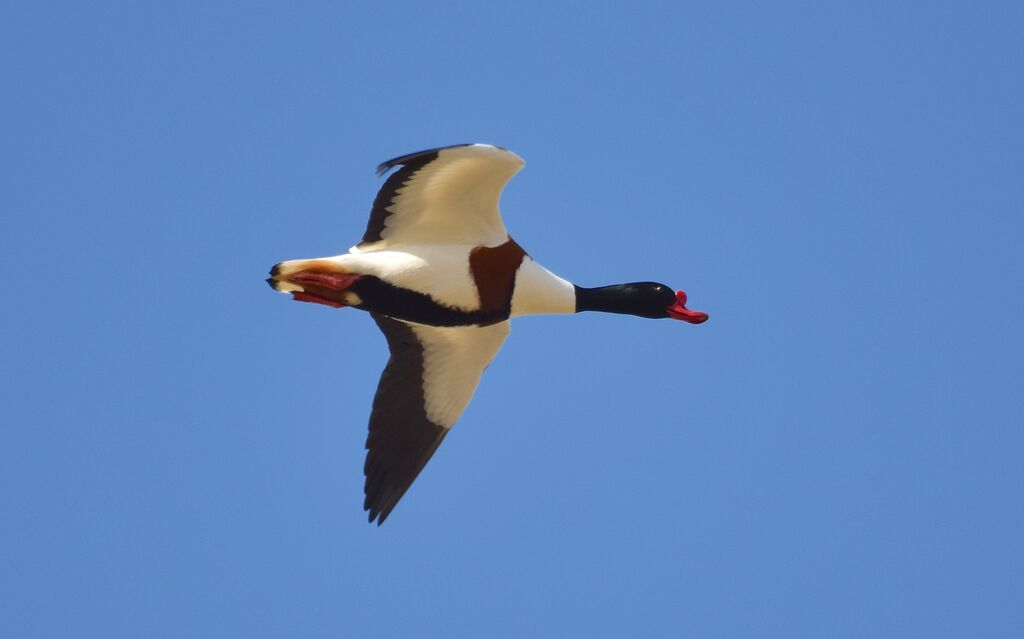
column 538, row 291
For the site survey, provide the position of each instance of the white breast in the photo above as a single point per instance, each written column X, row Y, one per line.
column 539, row 291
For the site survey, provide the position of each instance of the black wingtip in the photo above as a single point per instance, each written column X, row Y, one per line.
column 380, row 504
column 377, row 515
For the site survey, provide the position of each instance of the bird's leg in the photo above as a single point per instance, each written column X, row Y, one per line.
column 320, row 281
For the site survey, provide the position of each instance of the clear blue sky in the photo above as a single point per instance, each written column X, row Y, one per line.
column 837, row 453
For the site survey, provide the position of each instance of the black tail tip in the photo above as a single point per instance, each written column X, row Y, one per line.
column 275, row 270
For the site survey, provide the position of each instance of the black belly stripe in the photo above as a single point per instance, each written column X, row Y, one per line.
column 401, row 303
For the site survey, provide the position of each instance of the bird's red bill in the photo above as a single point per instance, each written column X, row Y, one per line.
column 679, row 311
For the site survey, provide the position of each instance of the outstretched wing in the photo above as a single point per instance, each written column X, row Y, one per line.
column 441, row 196
column 427, row 383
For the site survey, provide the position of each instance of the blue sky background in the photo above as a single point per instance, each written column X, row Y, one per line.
column 837, row 453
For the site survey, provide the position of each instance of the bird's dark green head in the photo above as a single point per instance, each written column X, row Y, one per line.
column 643, row 299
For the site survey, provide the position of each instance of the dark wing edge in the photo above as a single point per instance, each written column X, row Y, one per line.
column 408, row 158
column 401, row 440
column 409, row 165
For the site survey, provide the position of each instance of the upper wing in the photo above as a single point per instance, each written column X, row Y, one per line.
column 441, row 196
column 427, row 383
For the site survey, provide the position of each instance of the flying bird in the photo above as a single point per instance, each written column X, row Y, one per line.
column 441, row 277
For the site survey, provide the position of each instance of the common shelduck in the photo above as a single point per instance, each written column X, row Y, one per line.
column 441, row 277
